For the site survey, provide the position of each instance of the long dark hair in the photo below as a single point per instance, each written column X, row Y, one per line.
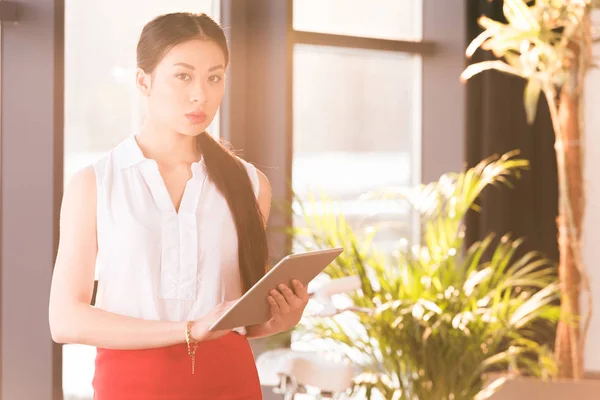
column 223, row 167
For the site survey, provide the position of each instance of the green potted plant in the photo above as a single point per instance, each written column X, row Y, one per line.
column 430, row 322
column 548, row 43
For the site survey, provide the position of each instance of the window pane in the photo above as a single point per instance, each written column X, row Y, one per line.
column 356, row 129
column 384, row 19
column 102, row 106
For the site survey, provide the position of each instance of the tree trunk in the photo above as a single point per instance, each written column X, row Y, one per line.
column 570, row 164
column 568, row 128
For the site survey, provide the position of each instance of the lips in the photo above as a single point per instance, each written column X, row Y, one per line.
column 196, row 117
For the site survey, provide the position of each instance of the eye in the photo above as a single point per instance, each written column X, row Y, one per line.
column 183, row 76
column 215, row 79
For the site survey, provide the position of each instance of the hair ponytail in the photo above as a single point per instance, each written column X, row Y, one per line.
column 230, row 177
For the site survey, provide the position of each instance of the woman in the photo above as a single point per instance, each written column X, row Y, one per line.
column 174, row 226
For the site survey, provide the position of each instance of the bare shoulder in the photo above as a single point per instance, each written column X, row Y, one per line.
column 264, row 194
column 264, row 188
column 264, row 183
column 84, row 178
column 81, row 190
column 78, row 211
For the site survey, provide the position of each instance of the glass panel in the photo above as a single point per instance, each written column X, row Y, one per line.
column 356, row 129
column 384, row 19
column 102, row 106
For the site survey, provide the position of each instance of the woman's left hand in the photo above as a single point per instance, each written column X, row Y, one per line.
column 287, row 306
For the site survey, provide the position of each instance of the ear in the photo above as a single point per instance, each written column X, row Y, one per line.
column 143, row 82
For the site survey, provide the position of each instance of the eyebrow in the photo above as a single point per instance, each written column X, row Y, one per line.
column 211, row 69
column 216, row 67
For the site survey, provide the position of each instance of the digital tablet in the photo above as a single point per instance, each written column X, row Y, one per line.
column 253, row 308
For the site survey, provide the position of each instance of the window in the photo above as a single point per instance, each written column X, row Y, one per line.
column 382, row 19
column 356, row 120
column 102, row 106
column 357, row 110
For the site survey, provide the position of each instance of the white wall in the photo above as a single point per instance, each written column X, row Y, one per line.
column 591, row 247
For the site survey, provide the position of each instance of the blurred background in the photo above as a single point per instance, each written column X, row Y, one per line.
column 334, row 98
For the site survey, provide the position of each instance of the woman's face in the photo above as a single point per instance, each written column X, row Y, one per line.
column 185, row 90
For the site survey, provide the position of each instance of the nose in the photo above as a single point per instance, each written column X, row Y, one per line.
column 199, row 95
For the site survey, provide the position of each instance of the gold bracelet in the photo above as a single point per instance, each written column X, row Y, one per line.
column 192, row 344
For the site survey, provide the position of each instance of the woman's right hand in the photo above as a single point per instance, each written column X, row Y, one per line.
column 200, row 327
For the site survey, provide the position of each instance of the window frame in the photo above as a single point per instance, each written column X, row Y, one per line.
column 441, row 50
column 257, row 111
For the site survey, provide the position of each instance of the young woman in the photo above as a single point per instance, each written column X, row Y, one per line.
column 174, row 226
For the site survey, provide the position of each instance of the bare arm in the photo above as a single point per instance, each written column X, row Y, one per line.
column 264, row 196
column 72, row 318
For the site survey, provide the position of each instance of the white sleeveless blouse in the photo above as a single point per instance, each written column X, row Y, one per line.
column 155, row 263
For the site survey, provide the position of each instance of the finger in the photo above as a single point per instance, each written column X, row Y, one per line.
column 275, row 311
column 300, row 290
column 283, row 304
column 290, row 297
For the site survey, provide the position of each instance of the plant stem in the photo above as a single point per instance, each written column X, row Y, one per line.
column 569, row 242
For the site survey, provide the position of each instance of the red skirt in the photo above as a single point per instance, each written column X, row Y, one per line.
column 225, row 370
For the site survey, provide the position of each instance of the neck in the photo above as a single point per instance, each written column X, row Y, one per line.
column 167, row 146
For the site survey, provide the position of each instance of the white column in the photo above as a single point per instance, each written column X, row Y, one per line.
column 591, row 234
